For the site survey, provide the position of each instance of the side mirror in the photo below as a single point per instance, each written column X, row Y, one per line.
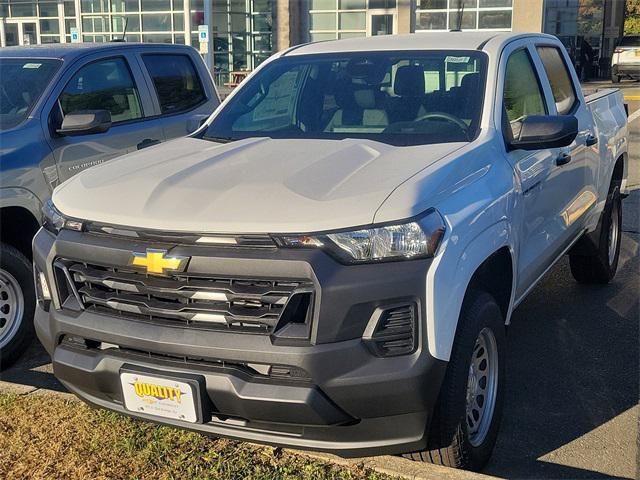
column 545, row 131
column 84, row 122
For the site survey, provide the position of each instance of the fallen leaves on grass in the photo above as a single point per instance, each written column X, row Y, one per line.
column 47, row 437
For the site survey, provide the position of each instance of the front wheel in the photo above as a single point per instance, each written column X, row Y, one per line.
column 17, row 304
column 601, row 266
column 466, row 419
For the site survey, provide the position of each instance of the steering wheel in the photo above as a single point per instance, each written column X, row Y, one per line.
column 447, row 117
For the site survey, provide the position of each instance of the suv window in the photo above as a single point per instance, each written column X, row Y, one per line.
column 522, row 93
column 559, row 78
column 103, row 85
column 630, row 41
column 176, row 82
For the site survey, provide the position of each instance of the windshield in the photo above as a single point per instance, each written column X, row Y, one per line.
column 631, row 41
column 22, row 81
column 400, row 98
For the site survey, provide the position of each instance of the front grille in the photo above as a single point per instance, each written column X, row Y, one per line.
column 242, row 304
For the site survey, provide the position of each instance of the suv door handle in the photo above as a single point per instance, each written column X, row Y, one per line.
column 147, row 142
column 591, row 140
column 563, row 159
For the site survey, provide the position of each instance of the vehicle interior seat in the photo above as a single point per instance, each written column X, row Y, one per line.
column 409, row 88
column 358, row 110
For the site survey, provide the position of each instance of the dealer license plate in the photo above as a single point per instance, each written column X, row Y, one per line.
column 161, row 397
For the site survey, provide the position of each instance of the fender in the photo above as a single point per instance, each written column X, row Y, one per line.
column 21, row 197
column 448, row 281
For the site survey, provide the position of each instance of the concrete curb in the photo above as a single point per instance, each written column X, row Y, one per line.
column 388, row 465
column 397, row 467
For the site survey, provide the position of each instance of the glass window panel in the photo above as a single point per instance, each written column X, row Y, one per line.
column 220, row 43
column 49, row 26
column 323, row 4
column 238, row 22
column 468, row 20
column 262, row 42
column 103, row 85
column 262, row 23
column 179, row 39
column 178, row 21
column 320, row 37
column 432, row 21
column 133, row 22
column 50, row 39
column 262, row 5
column 559, row 78
column 323, row 21
column 198, row 5
column 522, row 93
column 156, row 22
column 69, row 9
column 94, row 6
column 351, row 34
column 197, row 18
column 157, row 38
column 495, row 3
column 178, row 5
column 220, row 23
column 382, row 4
column 457, row 4
column 495, row 19
column 194, row 40
column 155, row 5
column 4, row 10
column 133, row 37
column 69, row 24
column 48, row 9
column 23, row 9
column 175, row 81
column 125, row 6
column 353, row 21
column 432, row 4
column 353, row 4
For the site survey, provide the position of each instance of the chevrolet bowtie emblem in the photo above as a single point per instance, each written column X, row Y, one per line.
column 156, row 261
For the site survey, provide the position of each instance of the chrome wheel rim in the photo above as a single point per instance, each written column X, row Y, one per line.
column 482, row 387
column 11, row 307
column 614, row 231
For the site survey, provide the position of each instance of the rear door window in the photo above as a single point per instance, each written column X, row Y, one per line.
column 561, row 85
column 103, row 85
column 176, row 82
column 522, row 93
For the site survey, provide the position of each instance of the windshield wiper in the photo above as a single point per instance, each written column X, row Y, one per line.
column 219, row 139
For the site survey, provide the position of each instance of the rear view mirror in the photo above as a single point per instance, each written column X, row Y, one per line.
column 84, row 122
column 545, row 131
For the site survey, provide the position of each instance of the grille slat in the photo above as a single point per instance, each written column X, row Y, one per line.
column 254, row 305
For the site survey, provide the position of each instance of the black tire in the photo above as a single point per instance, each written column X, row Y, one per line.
column 600, row 268
column 16, row 279
column 449, row 441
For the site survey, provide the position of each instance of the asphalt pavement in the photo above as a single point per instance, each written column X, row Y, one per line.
column 571, row 408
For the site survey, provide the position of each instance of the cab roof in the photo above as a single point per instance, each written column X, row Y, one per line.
column 69, row 51
column 413, row 41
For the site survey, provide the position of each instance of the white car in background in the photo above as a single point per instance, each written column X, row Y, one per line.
column 626, row 59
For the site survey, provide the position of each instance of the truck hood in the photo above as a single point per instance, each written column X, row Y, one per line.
column 256, row 185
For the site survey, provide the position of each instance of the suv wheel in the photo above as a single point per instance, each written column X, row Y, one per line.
column 17, row 304
column 602, row 265
column 466, row 419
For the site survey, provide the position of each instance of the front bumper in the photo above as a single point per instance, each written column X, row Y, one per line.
column 632, row 70
column 349, row 401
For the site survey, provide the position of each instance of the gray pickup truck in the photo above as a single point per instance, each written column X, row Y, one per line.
column 64, row 109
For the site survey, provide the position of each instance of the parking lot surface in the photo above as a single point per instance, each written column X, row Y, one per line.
column 571, row 408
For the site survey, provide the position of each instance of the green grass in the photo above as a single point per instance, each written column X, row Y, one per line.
column 50, row 437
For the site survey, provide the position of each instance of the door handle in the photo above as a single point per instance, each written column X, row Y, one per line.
column 591, row 140
column 563, row 159
column 147, row 142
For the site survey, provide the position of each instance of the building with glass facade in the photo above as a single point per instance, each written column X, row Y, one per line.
column 242, row 33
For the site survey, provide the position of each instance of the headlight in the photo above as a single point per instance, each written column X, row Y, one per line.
column 54, row 221
column 417, row 238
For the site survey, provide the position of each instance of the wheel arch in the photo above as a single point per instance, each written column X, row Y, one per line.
column 487, row 263
column 17, row 228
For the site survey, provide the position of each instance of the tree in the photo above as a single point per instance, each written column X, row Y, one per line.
column 632, row 17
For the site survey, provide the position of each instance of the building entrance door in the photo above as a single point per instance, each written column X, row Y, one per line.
column 20, row 32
